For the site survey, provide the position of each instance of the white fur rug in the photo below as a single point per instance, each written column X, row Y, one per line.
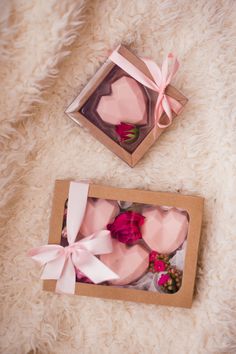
column 48, row 51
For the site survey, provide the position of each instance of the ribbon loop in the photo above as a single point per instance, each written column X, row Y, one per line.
column 161, row 79
column 60, row 262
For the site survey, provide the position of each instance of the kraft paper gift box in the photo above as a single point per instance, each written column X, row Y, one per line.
column 112, row 99
column 157, row 267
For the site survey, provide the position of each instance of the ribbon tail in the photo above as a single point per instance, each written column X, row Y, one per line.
column 168, row 104
column 132, row 70
column 154, row 70
column 158, row 110
column 54, row 268
column 66, row 283
column 174, row 67
column 164, row 69
column 45, row 254
column 94, row 269
column 167, row 108
column 175, row 105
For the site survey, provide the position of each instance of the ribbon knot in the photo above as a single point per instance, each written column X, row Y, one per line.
column 69, row 249
column 162, row 90
column 161, row 79
column 60, row 263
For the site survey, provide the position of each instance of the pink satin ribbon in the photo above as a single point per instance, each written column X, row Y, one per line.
column 161, row 79
column 60, row 262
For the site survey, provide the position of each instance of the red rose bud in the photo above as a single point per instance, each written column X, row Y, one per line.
column 126, row 227
column 128, row 133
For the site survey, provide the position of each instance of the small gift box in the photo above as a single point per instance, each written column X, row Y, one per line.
column 128, row 103
column 122, row 244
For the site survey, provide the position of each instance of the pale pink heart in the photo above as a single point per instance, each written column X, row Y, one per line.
column 98, row 214
column 126, row 103
column 130, row 263
column 164, row 231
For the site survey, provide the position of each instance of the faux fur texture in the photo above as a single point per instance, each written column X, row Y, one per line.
column 49, row 49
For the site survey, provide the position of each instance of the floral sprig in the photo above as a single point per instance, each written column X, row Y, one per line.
column 171, row 281
column 158, row 262
column 170, row 278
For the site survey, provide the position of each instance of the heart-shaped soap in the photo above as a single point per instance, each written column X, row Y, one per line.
column 126, row 103
column 130, row 263
column 164, row 231
column 98, row 214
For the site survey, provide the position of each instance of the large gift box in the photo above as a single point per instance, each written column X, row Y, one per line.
column 128, row 103
column 124, row 244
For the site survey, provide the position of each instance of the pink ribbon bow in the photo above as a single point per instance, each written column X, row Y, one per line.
column 161, row 79
column 60, row 262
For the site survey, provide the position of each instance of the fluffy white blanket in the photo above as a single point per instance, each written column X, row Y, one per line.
column 48, row 51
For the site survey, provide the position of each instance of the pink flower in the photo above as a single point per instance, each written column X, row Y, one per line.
column 159, row 266
column 152, row 256
column 127, row 132
column 163, row 279
column 126, row 227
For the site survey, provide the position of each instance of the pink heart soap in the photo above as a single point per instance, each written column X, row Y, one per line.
column 126, row 103
column 130, row 263
column 98, row 214
column 164, row 231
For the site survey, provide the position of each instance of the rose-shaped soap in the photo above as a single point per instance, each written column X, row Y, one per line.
column 164, row 231
column 126, row 103
column 98, row 214
column 126, row 227
column 130, row 263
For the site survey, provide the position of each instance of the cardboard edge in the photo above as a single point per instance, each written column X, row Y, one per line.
column 103, row 138
column 90, row 87
column 97, row 291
